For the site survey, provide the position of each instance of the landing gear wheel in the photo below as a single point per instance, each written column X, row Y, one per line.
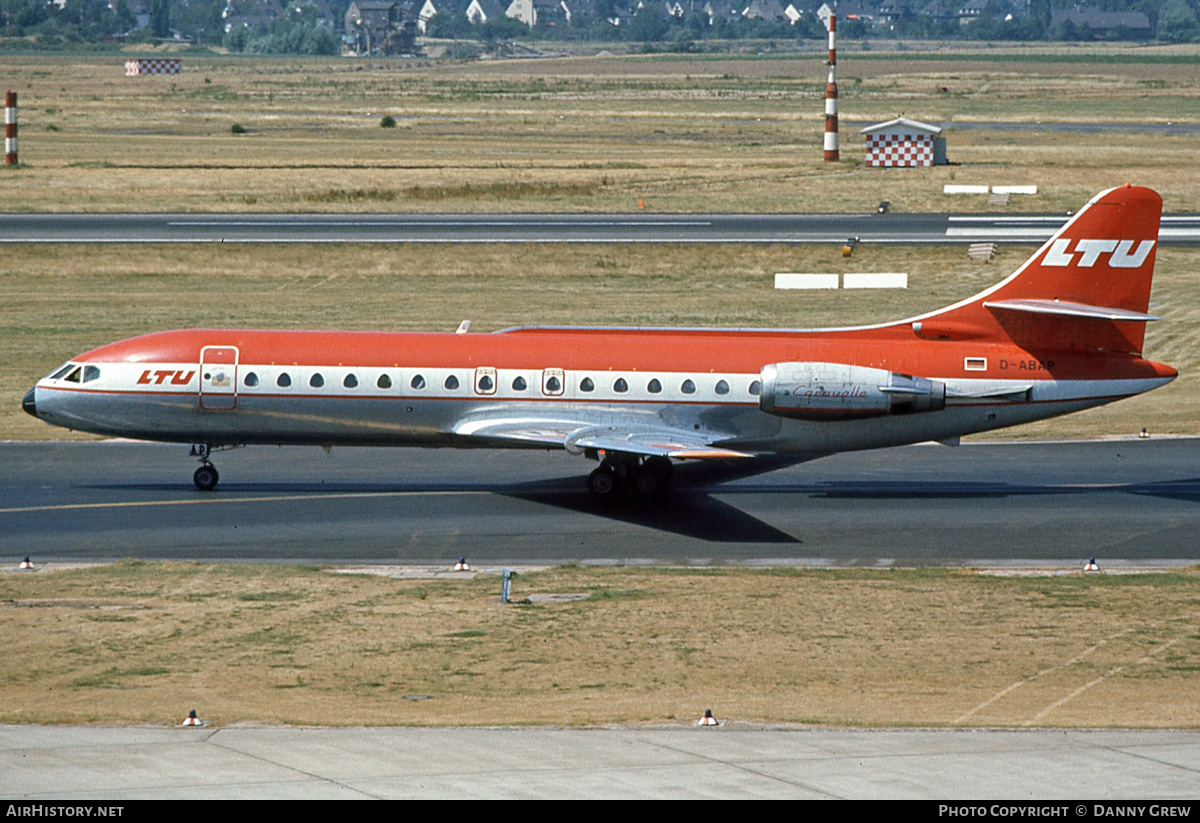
column 648, row 483
column 206, row 478
column 602, row 483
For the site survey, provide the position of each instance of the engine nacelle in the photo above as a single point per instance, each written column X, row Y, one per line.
column 836, row 391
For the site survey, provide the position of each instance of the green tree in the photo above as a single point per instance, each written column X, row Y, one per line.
column 160, row 18
column 1177, row 23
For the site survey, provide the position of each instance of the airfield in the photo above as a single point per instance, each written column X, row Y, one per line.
column 664, row 140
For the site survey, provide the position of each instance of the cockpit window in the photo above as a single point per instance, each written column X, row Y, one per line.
column 73, row 377
column 90, row 373
column 62, row 371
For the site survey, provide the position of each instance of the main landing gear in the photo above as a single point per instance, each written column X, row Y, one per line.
column 644, row 477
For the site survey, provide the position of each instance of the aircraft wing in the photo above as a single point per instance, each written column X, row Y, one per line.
column 577, row 437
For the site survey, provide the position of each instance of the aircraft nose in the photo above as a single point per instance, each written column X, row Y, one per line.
column 28, row 404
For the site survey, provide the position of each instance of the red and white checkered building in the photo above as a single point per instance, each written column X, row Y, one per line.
column 136, row 66
column 904, row 143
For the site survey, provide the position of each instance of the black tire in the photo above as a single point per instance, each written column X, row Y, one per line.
column 602, row 483
column 206, row 478
column 649, row 484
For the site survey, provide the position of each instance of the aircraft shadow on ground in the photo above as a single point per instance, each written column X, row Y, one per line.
column 686, row 513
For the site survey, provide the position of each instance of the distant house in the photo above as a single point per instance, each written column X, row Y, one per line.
column 764, row 10
column 578, row 12
column 140, row 9
column 853, row 10
column 720, row 9
column 969, row 11
column 426, row 10
column 522, row 10
column 891, row 11
column 481, row 11
column 934, row 10
column 375, row 26
column 1131, row 25
column 250, row 13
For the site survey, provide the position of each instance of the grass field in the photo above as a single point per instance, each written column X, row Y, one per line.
column 704, row 133
column 144, row 643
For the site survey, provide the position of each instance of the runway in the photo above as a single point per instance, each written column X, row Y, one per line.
column 550, row 228
column 1126, row 501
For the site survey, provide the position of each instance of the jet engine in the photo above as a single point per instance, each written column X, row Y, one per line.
column 836, row 391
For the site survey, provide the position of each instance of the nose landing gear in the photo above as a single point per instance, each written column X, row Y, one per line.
column 206, row 476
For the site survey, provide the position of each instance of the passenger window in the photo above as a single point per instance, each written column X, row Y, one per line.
column 418, row 382
column 620, row 386
column 90, row 373
column 688, row 387
column 451, row 383
column 384, row 382
column 519, row 384
column 316, row 381
column 485, row 383
column 553, row 384
column 283, row 380
column 654, row 387
column 586, row 384
column 251, row 380
column 756, row 388
column 351, row 382
column 722, row 387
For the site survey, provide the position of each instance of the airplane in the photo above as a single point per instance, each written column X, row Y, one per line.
column 1063, row 333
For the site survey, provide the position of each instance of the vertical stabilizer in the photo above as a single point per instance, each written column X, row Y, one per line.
column 1086, row 289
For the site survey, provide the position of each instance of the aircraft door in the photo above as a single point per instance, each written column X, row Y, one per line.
column 485, row 380
column 553, row 382
column 218, row 378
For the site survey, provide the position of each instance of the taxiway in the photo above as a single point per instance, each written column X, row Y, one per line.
column 1122, row 501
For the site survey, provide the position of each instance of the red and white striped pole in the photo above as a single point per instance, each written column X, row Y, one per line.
column 10, row 129
column 831, row 124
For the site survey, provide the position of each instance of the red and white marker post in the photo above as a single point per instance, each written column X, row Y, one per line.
column 10, row 129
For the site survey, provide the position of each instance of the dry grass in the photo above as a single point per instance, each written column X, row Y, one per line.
column 143, row 643
column 580, row 134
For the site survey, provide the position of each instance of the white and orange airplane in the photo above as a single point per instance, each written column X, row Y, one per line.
column 1062, row 333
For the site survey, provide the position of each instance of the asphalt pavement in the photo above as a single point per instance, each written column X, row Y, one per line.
column 1122, row 501
column 637, row 227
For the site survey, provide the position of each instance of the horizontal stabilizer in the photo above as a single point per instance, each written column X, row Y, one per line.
column 1063, row 308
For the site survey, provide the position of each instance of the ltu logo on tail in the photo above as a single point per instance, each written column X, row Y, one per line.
column 1121, row 253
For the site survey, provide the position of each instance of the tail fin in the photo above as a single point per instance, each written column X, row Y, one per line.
column 1086, row 289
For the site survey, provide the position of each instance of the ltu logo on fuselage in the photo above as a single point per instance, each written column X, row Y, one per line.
column 1121, row 253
